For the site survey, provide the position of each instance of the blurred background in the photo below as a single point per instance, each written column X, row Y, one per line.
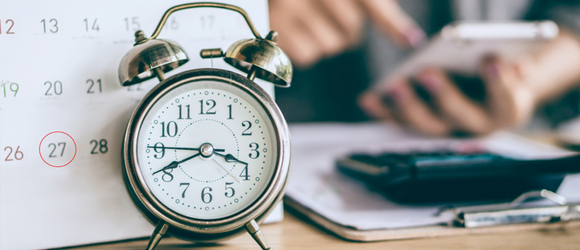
column 341, row 48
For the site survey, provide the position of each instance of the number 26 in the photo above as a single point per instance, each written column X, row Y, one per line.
column 18, row 155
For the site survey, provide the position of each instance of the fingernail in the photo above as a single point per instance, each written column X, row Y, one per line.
column 366, row 102
column 430, row 82
column 415, row 37
column 370, row 104
column 492, row 70
column 398, row 93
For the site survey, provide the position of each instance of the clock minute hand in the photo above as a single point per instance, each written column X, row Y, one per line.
column 175, row 164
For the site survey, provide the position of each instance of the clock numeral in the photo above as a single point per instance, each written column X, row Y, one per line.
column 100, row 145
column 159, row 148
column 12, row 87
column 211, row 103
column 186, row 187
column 230, row 108
column 54, row 147
column 18, row 155
column 206, row 196
column 231, row 188
column 56, row 88
column 92, row 82
column 171, row 130
column 249, row 125
column 188, row 113
column 251, row 154
column 54, row 23
column 244, row 174
column 167, row 176
column 94, row 27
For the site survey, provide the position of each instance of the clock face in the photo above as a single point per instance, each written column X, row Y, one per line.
column 207, row 149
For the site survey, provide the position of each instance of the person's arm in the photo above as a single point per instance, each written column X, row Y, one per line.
column 556, row 68
column 311, row 30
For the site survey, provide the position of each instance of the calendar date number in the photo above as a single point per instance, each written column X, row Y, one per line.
column 99, row 147
column 9, row 87
column 13, row 154
column 8, row 23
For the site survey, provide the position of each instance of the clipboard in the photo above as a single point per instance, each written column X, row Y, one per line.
column 349, row 209
column 494, row 218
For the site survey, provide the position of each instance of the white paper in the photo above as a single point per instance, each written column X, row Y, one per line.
column 54, row 51
column 315, row 183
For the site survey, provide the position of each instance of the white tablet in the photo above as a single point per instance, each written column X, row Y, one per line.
column 460, row 47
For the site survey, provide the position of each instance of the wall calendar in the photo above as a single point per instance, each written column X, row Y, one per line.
column 63, row 111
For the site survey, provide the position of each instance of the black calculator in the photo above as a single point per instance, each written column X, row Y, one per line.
column 447, row 176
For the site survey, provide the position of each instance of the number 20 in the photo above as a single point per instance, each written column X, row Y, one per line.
column 56, row 88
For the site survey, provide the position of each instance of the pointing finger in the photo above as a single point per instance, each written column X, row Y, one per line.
column 393, row 20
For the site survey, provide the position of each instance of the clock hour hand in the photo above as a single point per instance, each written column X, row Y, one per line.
column 175, row 164
column 231, row 158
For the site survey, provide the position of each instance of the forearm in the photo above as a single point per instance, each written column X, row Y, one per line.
column 556, row 67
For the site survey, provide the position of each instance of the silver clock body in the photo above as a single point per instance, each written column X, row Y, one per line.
column 157, row 207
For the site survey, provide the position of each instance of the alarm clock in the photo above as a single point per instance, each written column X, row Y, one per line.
column 207, row 151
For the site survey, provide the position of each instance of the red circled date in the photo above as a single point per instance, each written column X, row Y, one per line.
column 57, row 149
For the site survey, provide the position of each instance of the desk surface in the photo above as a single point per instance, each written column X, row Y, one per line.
column 295, row 233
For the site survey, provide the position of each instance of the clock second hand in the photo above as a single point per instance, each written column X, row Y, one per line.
column 226, row 170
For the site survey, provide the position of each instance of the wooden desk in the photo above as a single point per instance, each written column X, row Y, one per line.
column 295, row 233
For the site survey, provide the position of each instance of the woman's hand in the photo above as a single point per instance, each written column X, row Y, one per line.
column 513, row 90
column 311, row 30
column 509, row 101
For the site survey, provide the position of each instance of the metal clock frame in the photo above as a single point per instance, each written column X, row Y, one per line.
column 197, row 229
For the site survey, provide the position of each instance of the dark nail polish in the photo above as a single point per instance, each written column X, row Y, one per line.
column 415, row 37
column 429, row 82
column 492, row 70
column 398, row 94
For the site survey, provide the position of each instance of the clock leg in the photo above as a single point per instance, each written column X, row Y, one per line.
column 256, row 233
column 252, row 73
column 158, row 233
column 160, row 74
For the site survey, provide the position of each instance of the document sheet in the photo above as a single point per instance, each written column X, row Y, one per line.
column 316, row 184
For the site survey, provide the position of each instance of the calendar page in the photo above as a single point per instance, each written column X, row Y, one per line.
column 63, row 111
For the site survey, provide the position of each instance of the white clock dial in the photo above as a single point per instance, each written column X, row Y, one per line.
column 207, row 150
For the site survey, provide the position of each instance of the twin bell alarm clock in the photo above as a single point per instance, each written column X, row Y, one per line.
column 206, row 153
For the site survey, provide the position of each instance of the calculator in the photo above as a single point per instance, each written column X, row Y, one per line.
column 448, row 176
